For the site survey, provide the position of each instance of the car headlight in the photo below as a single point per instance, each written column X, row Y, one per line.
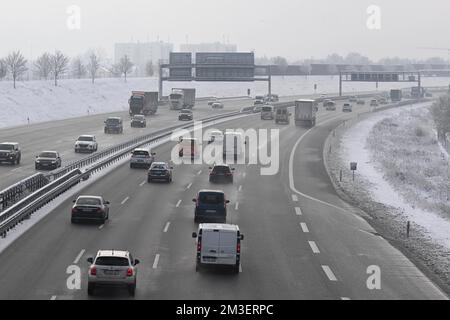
column 38, row 161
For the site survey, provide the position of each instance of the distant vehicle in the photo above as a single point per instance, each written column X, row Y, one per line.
column 259, row 98
column 142, row 158
column 247, row 109
column 159, row 171
column 305, row 113
column 233, row 145
column 353, row 99
column 325, row 101
column 396, row 95
column 217, row 105
column 213, row 99
column 182, row 99
column 215, row 136
column 221, row 173
column 185, row 115
column 10, row 152
column 361, row 102
column 257, row 108
column 267, row 112
column 112, row 268
column 282, row 115
column 47, row 160
column 374, row 103
column 143, row 102
column 86, row 143
column 382, row 100
column 188, row 147
column 323, row 95
column 138, row 121
column 90, row 208
column 428, row 94
column 210, row 205
column 271, row 98
column 330, row 106
column 417, row 92
column 258, row 103
column 347, row 107
column 114, row 125
column 218, row 244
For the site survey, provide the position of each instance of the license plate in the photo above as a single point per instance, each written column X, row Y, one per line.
column 211, row 211
column 111, row 273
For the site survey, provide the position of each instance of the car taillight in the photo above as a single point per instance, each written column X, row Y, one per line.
column 99, row 209
column 129, row 272
column 238, row 248
column 93, row 271
column 228, row 174
column 199, row 245
column 74, row 210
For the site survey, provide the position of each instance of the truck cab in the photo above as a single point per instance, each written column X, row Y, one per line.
column 305, row 113
column 282, row 115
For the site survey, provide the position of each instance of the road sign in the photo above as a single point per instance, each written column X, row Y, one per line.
column 224, row 66
column 353, row 166
column 180, row 66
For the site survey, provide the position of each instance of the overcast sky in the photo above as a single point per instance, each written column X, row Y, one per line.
column 296, row 29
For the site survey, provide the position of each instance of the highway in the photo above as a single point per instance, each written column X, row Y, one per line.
column 301, row 240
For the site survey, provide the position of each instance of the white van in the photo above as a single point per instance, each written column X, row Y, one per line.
column 218, row 244
column 188, row 147
column 233, row 145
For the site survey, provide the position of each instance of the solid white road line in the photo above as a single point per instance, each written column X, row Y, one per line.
column 329, row 273
column 240, row 188
column 200, row 172
column 236, row 207
column 142, row 183
column 79, row 256
column 298, row 211
column 304, row 227
column 178, row 203
column 101, row 227
column 155, row 262
column 314, row 247
column 240, row 268
column 53, row 298
column 125, row 200
column 244, row 174
column 294, row 198
column 166, row 228
column 189, row 186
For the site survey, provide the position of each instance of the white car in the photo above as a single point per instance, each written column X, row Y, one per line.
column 86, row 143
column 112, row 268
column 141, row 157
column 217, row 105
column 218, row 245
column 212, row 101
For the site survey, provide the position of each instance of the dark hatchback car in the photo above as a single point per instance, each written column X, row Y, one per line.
column 221, row 173
column 47, row 160
column 90, row 209
column 114, row 125
column 210, row 205
column 185, row 115
column 138, row 121
column 160, row 171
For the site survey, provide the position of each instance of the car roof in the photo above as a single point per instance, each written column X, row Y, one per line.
column 159, row 163
column 140, row 149
column 221, row 165
column 185, row 110
column 118, row 118
column 305, row 100
column 87, row 135
column 211, row 191
column 89, row 197
column 14, row 143
column 219, row 226
column 49, row 151
column 113, row 253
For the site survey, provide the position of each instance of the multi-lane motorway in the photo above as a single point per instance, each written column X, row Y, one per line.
column 301, row 240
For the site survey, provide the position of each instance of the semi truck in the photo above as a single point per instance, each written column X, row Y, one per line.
column 182, row 99
column 396, row 95
column 143, row 102
column 305, row 113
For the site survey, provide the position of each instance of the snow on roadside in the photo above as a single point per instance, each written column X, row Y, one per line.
column 354, row 148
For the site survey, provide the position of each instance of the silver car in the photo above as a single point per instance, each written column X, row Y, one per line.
column 112, row 268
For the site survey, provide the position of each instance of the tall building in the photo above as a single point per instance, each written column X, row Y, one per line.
column 141, row 53
column 207, row 47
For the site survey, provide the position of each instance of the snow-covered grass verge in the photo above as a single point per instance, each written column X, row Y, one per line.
column 402, row 176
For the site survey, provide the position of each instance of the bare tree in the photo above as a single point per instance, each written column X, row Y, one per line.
column 3, row 69
column 16, row 65
column 43, row 65
column 125, row 66
column 93, row 65
column 78, row 68
column 59, row 65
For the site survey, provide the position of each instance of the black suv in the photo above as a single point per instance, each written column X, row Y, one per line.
column 10, row 152
column 221, row 173
column 113, row 125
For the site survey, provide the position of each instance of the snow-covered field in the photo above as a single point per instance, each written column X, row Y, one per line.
column 40, row 101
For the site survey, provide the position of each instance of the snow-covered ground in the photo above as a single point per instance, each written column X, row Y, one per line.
column 387, row 166
column 41, row 101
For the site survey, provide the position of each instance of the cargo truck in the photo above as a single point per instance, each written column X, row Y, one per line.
column 396, row 95
column 182, row 99
column 305, row 113
column 143, row 102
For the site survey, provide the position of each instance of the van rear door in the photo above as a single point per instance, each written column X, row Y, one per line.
column 210, row 246
column 228, row 243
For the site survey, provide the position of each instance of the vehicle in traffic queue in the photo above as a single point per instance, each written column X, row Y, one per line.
column 112, row 268
column 141, row 158
column 330, row 106
column 160, row 171
column 361, row 102
column 113, row 125
column 347, row 107
column 185, row 115
column 90, row 209
column 48, row 160
column 374, row 103
column 221, row 173
column 282, row 115
column 210, row 205
column 267, row 112
column 86, row 143
column 138, row 121
column 213, row 100
column 217, row 105
column 10, row 152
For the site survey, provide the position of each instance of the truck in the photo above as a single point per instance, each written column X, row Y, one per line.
column 143, row 102
column 396, row 95
column 305, row 113
column 417, row 92
column 182, row 99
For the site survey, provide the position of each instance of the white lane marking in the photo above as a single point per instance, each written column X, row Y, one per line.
column 298, row 211
column 77, row 259
column 125, row 200
column 101, row 227
column 166, row 228
column 345, row 298
column 240, row 188
column 294, row 198
column 329, row 273
column 178, row 203
column 142, row 183
column 189, row 186
column 244, row 174
column 240, row 268
column 236, row 207
column 16, row 169
column 314, row 247
column 200, row 172
column 304, row 227
column 155, row 262
column 53, row 298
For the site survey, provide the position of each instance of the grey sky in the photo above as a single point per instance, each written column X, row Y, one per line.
column 295, row 29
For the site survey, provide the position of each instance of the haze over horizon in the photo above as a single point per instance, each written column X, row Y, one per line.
column 293, row 29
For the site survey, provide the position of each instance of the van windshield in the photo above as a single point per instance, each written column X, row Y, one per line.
column 211, row 198
column 6, row 147
column 266, row 109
